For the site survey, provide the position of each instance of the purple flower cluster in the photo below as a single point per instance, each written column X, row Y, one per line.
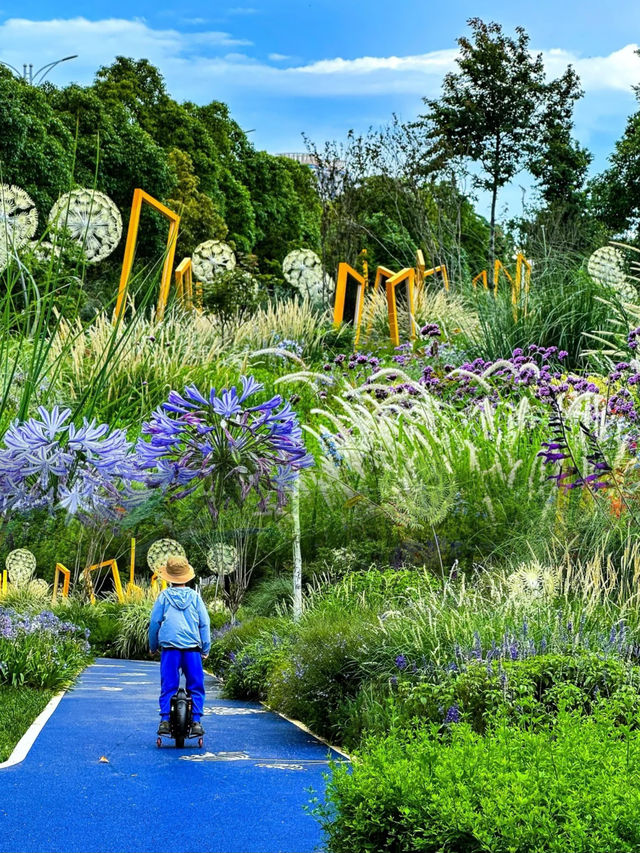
column 12, row 624
column 431, row 330
column 362, row 364
column 48, row 462
column 225, row 443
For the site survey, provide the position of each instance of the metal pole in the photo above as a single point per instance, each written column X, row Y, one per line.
column 297, row 553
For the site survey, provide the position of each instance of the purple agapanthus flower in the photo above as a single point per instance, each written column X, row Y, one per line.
column 49, row 462
column 226, row 442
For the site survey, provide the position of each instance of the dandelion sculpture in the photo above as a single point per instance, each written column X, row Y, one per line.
column 21, row 565
column 18, row 220
column 222, row 559
column 160, row 551
column 225, row 443
column 92, row 220
column 606, row 266
column 211, row 257
column 302, row 268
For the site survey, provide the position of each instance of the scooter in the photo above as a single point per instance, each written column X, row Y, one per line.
column 180, row 719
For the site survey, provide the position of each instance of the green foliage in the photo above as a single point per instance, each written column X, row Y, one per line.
column 570, row 788
column 233, row 294
column 19, row 706
column 248, row 670
column 229, row 639
column 321, row 670
column 132, row 639
column 529, row 691
column 35, row 654
column 199, row 219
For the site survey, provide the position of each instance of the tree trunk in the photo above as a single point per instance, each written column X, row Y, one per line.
column 297, row 555
column 492, row 224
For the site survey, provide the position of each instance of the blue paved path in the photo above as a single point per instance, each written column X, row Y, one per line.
column 243, row 792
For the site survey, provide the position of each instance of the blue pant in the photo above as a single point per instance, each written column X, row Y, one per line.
column 190, row 662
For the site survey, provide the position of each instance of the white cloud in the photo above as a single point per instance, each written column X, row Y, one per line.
column 196, row 64
column 619, row 70
column 242, row 10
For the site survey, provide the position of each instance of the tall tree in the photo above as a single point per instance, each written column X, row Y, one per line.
column 616, row 192
column 559, row 162
column 489, row 109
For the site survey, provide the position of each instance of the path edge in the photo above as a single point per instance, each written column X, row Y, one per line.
column 21, row 749
column 305, row 729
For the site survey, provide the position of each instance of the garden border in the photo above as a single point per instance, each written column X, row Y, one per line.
column 308, row 731
column 21, row 749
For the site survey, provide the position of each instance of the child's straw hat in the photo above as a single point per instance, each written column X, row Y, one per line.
column 177, row 570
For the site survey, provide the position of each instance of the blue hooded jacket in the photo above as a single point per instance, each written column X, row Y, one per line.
column 179, row 620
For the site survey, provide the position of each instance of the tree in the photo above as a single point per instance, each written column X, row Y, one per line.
column 199, row 219
column 36, row 149
column 616, row 192
column 488, row 111
column 136, row 85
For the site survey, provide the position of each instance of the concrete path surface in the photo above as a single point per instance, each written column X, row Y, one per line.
column 95, row 781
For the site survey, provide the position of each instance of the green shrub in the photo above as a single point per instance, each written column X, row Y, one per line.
column 40, row 650
column 101, row 620
column 323, row 668
column 570, row 788
column 270, row 596
column 530, row 689
column 248, row 670
column 229, row 639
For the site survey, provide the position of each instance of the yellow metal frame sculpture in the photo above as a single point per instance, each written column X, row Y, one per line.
column 66, row 574
column 140, row 197
column 112, row 564
column 523, row 274
column 184, row 283
column 483, row 277
column 422, row 272
column 154, row 583
column 132, row 591
column 344, row 273
column 407, row 277
column 4, row 582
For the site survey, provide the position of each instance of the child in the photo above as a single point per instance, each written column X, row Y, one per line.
column 180, row 628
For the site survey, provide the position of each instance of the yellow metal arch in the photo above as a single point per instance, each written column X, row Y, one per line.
column 406, row 277
column 184, row 283
column 345, row 272
column 140, row 196
column 66, row 575
column 422, row 272
column 112, row 564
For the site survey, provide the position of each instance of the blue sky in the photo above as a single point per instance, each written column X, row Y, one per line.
column 323, row 67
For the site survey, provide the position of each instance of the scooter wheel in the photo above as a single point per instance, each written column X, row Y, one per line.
column 200, row 742
column 159, row 742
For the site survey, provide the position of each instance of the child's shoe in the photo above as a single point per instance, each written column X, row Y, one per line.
column 196, row 730
column 164, row 728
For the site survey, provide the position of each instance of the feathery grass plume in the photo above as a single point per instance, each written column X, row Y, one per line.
column 293, row 319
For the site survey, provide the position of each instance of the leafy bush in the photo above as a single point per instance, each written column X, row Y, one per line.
column 323, row 668
column 248, row 671
column 100, row 619
column 530, row 690
column 570, row 788
column 40, row 650
column 229, row 639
